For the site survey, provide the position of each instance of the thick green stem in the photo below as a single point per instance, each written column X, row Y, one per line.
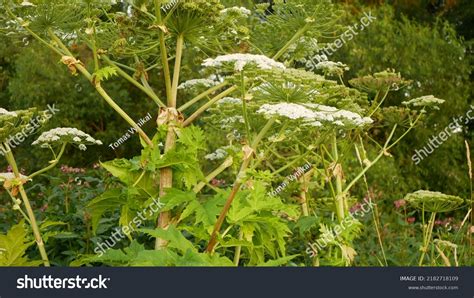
column 163, row 51
column 238, row 249
column 340, row 195
column 34, row 226
column 428, row 231
column 176, row 70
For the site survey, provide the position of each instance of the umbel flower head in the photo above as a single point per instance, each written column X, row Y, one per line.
column 332, row 68
column 12, row 123
column 315, row 114
column 239, row 61
column 387, row 80
column 11, row 176
column 63, row 135
column 433, row 201
column 424, row 102
column 236, row 11
column 208, row 83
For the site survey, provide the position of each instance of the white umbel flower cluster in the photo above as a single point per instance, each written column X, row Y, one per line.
column 315, row 114
column 216, row 155
column 239, row 61
column 5, row 112
column 425, row 101
column 66, row 135
column 241, row 11
column 11, row 176
column 332, row 67
column 229, row 101
column 208, row 83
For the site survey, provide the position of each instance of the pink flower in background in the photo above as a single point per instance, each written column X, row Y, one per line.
column 399, row 203
column 70, row 170
column 411, row 220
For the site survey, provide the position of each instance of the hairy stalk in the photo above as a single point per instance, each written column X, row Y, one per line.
column 339, row 197
column 427, row 233
column 163, row 50
column 244, row 103
column 166, row 182
column 166, row 174
column 238, row 249
column 176, row 70
column 238, row 183
column 304, row 193
column 31, row 215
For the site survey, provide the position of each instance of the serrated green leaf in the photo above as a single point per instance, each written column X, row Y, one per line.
column 110, row 200
column 13, row 247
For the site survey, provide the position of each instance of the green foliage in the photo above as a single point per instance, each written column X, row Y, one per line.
column 13, row 247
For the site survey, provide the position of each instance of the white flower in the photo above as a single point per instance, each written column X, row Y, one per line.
column 10, row 176
column 26, row 3
column 230, row 100
column 241, row 60
column 65, row 135
column 198, row 82
column 314, row 114
column 457, row 129
column 236, row 10
column 425, row 101
column 5, row 112
column 228, row 122
column 332, row 67
column 218, row 154
column 82, row 147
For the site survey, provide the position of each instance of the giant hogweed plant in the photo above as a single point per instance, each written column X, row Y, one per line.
column 232, row 72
